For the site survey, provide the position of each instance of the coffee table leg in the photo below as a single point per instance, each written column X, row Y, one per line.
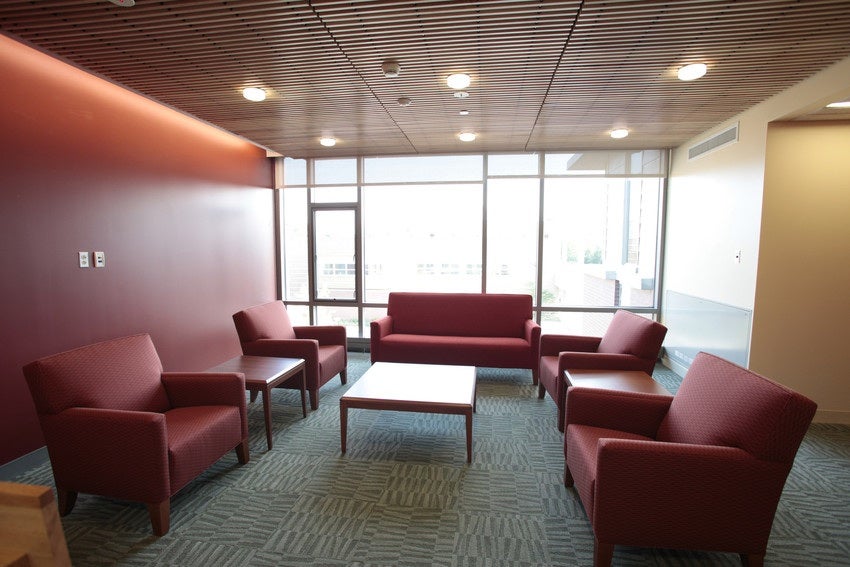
column 267, row 411
column 343, row 424
column 304, row 391
column 469, row 436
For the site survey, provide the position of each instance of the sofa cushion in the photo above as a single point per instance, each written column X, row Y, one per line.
column 498, row 352
column 460, row 314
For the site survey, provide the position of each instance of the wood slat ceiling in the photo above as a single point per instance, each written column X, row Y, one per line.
column 546, row 75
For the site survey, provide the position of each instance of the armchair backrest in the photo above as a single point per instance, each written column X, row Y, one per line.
column 632, row 334
column 266, row 321
column 721, row 403
column 123, row 373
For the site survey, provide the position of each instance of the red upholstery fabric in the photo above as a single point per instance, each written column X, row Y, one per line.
column 476, row 329
column 709, row 477
column 116, row 425
column 265, row 330
column 631, row 342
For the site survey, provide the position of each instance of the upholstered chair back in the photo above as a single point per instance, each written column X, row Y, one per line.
column 721, row 403
column 266, row 321
column 632, row 334
column 123, row 374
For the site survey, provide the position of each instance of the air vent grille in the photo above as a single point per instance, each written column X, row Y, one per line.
column 724, row 138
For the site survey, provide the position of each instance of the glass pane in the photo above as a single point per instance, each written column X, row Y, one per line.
column 334, row 194
column 331, row 171
column 334, row 244
column 339, row 315
column 600, row 242
column 294, row 171
column 294, row 247
column 645, row 162
column 512, row 164
column 421, row 238
column 299, row 315
column 513, row 210
column 370, row 314
column 573, row 323
column 423, row 168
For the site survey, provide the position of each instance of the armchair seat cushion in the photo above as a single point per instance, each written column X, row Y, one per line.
column 195, row 435
column 331, row 359
column 583, row 441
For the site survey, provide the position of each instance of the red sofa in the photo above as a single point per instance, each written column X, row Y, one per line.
column 475, row 329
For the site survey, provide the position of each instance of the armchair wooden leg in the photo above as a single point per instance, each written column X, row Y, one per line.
column 752, row 559
column 343, row 376
column 603, row 553
column 66, row 500
column 535, row 377
column 541, row 391
column 314, row 400
column 242, row 452
column 160, row 517
column 568, row 476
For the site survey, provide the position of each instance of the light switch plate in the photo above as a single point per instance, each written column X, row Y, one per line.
column 84, row 259
column 99, row 259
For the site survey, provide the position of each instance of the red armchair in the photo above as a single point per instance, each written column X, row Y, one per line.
column 702, row 470
column 116, row 425
column 265, row 330
column 631, row 342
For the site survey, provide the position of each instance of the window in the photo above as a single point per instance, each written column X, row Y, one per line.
column 578, row 231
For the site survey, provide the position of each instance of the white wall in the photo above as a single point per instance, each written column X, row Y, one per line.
column 714, row 203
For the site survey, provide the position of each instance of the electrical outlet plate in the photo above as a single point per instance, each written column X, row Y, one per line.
column 84, row 259
column 99, row 259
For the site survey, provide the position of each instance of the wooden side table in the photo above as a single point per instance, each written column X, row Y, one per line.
column 262, row 373
column 625, row 380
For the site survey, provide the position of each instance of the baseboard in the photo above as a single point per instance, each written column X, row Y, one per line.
column 828, row 416
column 674, row 366
column 13, row 469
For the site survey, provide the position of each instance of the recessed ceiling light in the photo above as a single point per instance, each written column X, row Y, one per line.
column 327, row 142
column 619, row 133
column 692, row 72
column 254, row 94
column 464, row 112
column 458, row 81
column 461, row 94
column 841, row 104
column 466, row 137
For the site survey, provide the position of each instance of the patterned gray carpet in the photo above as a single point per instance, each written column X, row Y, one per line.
column 404, row 494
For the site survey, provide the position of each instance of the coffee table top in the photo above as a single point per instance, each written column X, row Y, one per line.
column 627, row 380
column 405, row 382
column 259, row 369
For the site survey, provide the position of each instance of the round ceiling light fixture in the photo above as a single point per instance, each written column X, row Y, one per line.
column 691, row 72
column 254, row 94
column 466, row 137
column 458, row 81
column 391, row 68
column 841, row 104
column 618, row 133
column 327, row 141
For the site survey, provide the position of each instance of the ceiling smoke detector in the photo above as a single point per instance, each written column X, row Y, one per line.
column 124, row 3
column 391, row 68
column 404, row 101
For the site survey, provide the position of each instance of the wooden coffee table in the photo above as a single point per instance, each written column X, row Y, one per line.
column 262, row 373
column 426, row 388
column 626, row 380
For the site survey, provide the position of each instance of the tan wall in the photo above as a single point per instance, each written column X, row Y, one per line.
column 802, row 304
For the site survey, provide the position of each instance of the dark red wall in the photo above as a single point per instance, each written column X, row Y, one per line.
column 184, row 212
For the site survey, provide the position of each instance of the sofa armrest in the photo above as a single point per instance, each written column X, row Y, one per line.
column 97, row 450
column 644, row 488
column 325, row 334
column 308, row 349
column 633, row 412
column 378, row 329
column 551, row 345
column 204, row 388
